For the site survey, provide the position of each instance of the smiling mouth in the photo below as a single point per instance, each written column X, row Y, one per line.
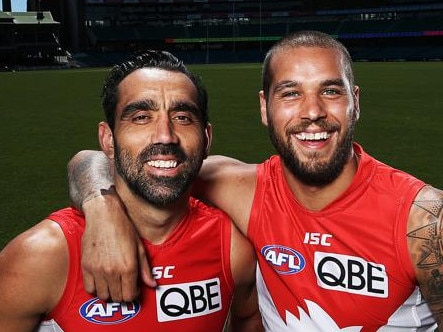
column 304, row 136
column 163, row 163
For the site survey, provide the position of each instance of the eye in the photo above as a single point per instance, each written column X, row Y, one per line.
column 334, row 91
column 183, row 119
column 141, row 117
column 330, row 92
column 290, row 94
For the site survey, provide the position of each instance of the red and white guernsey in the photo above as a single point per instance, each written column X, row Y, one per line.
column 192, row 269
column 344, row 268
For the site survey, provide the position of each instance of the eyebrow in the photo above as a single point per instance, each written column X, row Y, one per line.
column 292, row 84
column 338, row 82
column 147, row 104
column 286, row 84
column 185, row 106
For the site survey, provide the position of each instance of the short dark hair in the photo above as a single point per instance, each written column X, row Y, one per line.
column 148, row 59
column 306, row 39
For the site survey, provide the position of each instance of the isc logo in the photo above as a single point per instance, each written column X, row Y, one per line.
column 187, row 300
column 101, row 312
column 283, row 259
column 317, row 239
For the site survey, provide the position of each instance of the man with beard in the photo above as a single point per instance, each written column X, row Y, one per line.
column 156, row 135
column 344, row 242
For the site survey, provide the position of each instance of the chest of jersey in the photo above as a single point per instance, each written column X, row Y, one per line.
column 192, row 270
column 339, row 268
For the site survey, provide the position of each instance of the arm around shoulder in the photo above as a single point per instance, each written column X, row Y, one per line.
column 89, row 172
column 426, row 217
column 228, row 184
column 33, row 273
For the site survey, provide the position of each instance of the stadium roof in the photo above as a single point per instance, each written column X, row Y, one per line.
column 26, row 18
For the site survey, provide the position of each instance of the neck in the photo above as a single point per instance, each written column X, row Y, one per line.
column 153, row 223
column 316, row 198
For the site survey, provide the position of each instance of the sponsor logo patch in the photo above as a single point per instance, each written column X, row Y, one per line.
column 187, row 300
column 283, row 259
column 351, row 274
column 107, row 313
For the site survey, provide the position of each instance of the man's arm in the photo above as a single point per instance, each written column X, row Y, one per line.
column 228, row 184
column 90, row 176
column 245, row 315
column 425, row 233
column 33, row 273
column 112, row 253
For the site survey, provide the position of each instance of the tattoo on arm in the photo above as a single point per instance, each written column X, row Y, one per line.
column 426, row 241
column 89, row 175
column 430, row 234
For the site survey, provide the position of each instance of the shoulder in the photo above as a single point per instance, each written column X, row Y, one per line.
column 424, row 244
column 425, row 214
column 222, row 166
column 230, row 185
column 33, row 268
column 426, row 207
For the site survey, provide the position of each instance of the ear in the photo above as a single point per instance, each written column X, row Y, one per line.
column 106, row 139
column 208, row 135
column 263, row 112
column 356, row 96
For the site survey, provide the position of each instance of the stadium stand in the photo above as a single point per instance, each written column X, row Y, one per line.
column 225, row 31
column 212, row 31
column 30, row 39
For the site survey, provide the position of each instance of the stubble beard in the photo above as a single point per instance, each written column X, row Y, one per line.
column 157, row 190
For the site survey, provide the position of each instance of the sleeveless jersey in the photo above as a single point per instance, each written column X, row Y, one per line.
column 192, row 270
column 344, row 268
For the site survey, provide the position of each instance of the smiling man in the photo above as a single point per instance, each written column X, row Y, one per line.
column 156, row 135
column 344, row 242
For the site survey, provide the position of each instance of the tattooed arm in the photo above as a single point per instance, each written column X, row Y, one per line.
column 425, row 243
column 109, row 267
column 90, row 175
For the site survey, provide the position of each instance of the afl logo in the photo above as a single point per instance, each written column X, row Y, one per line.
column 284, row 260
column 107, row 313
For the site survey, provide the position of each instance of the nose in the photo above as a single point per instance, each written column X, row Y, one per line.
column 313, row 108
column 164, row 131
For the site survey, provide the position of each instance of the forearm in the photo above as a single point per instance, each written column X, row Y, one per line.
column 245, row 315
column 246, row 324
column 89, row 174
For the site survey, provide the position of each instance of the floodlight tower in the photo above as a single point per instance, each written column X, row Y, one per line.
column 6, row 5
column 40, row 15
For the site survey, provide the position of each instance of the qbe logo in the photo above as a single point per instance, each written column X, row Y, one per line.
column 351, row 274
column 187, row 300
column 106, row 313
column 284, row 260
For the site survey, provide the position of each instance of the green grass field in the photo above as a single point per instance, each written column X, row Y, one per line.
column 47, row 116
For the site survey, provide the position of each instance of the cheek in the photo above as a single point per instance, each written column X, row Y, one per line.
column 281, row 117
column 193, row 143
column 133, row 141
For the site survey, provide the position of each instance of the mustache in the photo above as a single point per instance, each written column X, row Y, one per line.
column 162, row 149
column 321, row 123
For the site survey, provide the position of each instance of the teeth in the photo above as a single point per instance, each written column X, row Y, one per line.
column 313, row 137
column 163, row 163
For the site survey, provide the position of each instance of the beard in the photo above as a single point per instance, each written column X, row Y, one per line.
column 313, row 172
column 157, row 190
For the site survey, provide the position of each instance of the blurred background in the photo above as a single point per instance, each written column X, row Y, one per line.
column 100, row 32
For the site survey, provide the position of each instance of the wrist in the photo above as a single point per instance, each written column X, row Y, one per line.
column 103, row 195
